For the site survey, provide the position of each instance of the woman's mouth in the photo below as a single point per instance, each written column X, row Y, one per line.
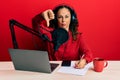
column 63, row 24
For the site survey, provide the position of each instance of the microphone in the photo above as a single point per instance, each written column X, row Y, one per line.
column 59, row 37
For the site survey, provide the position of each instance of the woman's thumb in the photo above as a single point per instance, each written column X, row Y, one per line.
column 47, row 21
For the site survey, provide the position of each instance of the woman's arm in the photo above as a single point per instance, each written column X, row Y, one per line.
column 40, row 22
column 87, row 55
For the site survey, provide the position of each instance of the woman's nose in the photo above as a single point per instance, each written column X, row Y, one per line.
column 63, row 19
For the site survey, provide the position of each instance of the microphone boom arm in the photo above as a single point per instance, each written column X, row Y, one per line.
column 13, row 22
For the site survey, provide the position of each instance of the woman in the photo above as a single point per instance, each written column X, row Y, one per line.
column 74, row 48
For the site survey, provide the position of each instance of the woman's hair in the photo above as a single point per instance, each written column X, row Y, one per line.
column 74, row 21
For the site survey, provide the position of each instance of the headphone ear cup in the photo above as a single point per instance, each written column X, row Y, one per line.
column 73, row 17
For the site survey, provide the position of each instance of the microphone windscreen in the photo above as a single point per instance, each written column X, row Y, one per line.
column 59, row 37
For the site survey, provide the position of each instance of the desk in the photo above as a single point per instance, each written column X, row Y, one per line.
column 7, row 72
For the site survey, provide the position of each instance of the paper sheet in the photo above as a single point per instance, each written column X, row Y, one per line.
column 72, row 70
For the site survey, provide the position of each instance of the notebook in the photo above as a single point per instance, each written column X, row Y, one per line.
column 31, row 60
column 71, row 70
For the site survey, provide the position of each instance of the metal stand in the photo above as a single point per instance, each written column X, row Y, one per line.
column 13, row 22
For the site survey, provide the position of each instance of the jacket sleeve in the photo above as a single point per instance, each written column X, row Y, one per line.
column 39, row 24
column 85, row 50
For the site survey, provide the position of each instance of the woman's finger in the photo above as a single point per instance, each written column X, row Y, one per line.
column 51, row 14
column 81, row 64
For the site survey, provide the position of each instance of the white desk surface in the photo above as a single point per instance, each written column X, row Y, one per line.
column 111, row 72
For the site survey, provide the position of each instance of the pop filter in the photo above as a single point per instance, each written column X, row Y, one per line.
column 59, row 37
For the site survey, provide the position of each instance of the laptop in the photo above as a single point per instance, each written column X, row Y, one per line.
column 31, row 60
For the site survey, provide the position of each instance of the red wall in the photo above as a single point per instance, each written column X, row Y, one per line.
column 99, row 21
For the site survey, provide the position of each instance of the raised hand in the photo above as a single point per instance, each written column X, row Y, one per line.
column 48, row 15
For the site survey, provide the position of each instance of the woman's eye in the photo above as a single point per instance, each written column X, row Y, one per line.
column 66, row 16
column 63, row 16
column 59, row 16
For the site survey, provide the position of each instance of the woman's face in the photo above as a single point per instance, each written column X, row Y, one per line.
column 64, row 18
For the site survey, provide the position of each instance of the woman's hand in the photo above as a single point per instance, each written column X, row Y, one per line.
column 80, row 64
column 48, row 15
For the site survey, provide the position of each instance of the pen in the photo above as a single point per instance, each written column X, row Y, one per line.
column 82, row 57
